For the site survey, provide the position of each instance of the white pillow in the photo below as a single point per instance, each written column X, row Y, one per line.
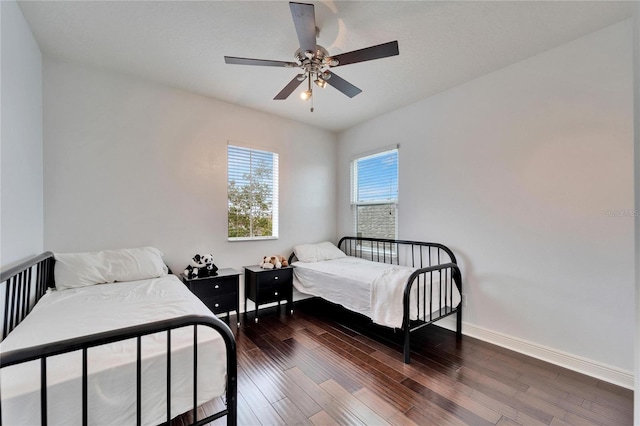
column 73, row 270
column 318, row 252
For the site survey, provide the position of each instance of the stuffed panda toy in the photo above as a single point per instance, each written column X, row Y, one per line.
column 201, row 266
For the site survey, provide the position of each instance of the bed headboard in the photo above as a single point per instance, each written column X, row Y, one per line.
column 416, row 254
column 22, row 286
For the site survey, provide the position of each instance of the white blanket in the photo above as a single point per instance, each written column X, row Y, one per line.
column 72, row 313
column 371, row 288
column 387, row 290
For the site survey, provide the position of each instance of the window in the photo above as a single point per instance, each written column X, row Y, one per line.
column 374, row 194
column 252, row 189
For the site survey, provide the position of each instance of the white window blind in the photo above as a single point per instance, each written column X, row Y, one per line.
column 374, row 194
column 252, row 189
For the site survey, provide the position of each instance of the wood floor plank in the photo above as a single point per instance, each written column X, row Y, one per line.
column 618, row 390
column 325, row 366
column 254, row 367
column 506, row 421
column 614, row 413
column 447, row 404
column 361, row 358
column 350, row 366
column 431, row 417
column 400, row 419
column 498, row 391
column 575, row 420
column 289, row 388
column 366, row 380
column 345, row 334
column 246, row 416
column 290, row 412
column 211, row 408
column 589, row 414
column 251, row 392
column 441, row 384
column 329, row 404
column 301, row 337
column 558, row 422
column 377, row 404
column 323, row 419
column 503, row 408
column 353, row 404
column 291, row 356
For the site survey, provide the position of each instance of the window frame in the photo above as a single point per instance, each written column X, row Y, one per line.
column 275, row 190
column 355, row 204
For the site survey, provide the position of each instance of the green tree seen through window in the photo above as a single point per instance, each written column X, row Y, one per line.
column 252, row 193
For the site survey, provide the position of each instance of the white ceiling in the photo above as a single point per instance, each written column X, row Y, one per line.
column 182, row 44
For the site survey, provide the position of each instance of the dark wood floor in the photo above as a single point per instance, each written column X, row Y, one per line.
column 323, row 367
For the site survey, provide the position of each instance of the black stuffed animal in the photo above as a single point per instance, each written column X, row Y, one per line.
column 201, row 266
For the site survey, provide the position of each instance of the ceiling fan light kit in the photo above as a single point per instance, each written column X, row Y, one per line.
column 314, row 60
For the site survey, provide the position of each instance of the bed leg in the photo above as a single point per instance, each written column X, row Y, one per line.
column 407, row 346
column 459, row 323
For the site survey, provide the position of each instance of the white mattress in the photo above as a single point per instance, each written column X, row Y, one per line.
column 112, row 368
column 355, row 283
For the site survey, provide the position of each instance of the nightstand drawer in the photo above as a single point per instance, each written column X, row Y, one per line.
column 273, row 292
column 274, row 279
column 208, row 288
column 221, row 303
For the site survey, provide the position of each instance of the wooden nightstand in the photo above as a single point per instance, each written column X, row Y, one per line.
column 219, row 292
column 268, row 285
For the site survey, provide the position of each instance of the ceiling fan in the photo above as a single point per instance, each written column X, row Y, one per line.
column 314, row 61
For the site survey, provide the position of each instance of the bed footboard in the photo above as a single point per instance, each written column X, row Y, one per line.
column 437, row 265
column 43, row 352
column 22, row 287
column 419, row 292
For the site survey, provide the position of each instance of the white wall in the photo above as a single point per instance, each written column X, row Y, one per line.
column 636, row 133
column 516, row 171
column 21, row 210
column 131, row 163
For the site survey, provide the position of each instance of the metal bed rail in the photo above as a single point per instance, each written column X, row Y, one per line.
column 416, row 254
column 42, row 352
column 424, row 281
column 25, row 284
column 437, row 266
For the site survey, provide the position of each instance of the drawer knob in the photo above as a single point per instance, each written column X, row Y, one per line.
column 275, row 294
column 275, row 278
column 216, row 305
column 217, row 286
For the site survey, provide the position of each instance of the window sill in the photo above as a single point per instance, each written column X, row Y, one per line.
column 251, row 239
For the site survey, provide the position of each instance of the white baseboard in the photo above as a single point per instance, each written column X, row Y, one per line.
column 577, row 363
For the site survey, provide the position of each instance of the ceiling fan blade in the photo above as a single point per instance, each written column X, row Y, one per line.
column 288, row 89
column 343, row 85
column 304, row 18
column 368, row 53
column 262, row 62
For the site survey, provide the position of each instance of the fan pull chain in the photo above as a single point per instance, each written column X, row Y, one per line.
column 311, row 104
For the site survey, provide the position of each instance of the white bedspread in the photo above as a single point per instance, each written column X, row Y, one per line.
column 387, row 291
column 370, row 288
column 112, row 368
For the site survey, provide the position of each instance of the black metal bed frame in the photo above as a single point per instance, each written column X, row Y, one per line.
column 430, row 259
column 26, row 283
